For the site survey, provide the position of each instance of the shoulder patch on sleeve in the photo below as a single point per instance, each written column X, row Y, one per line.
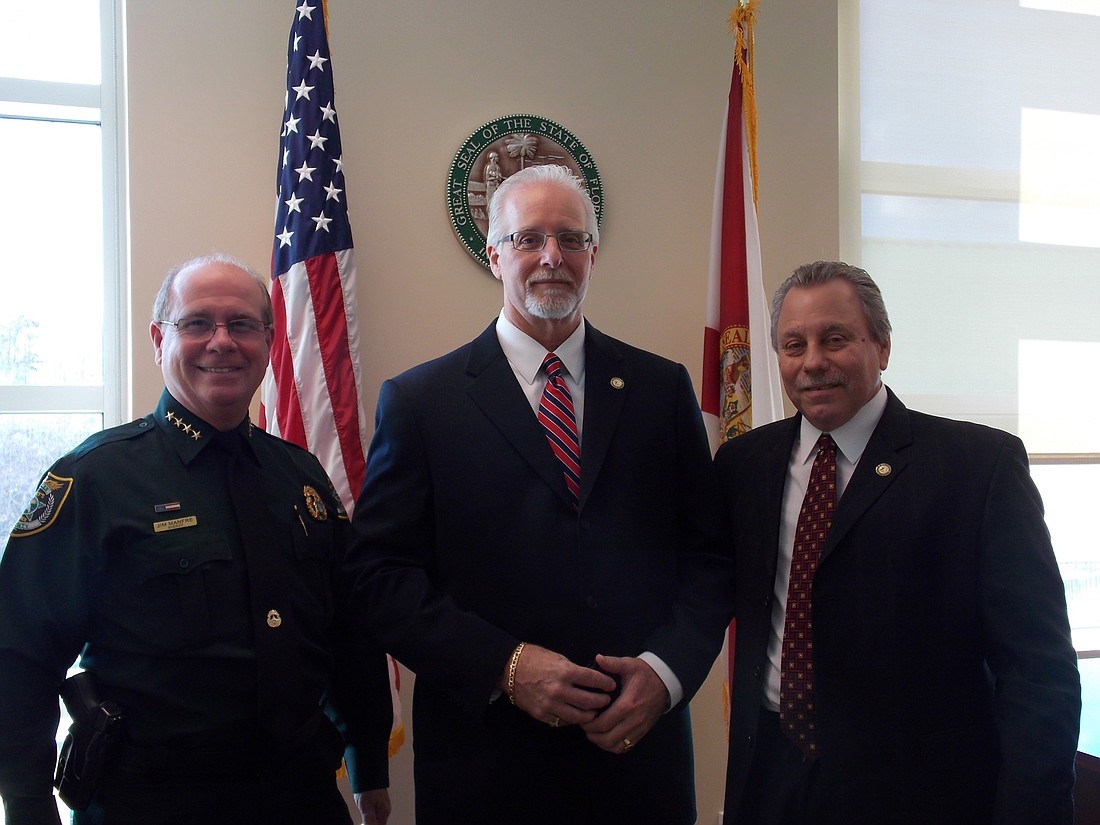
column 341, row 513
column 44, row 507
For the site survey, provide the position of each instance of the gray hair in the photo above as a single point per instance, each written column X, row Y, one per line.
column 163, row 300
column 821, row 272
column 550, row 173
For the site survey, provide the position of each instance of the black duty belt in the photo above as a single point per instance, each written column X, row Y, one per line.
column 229, row 761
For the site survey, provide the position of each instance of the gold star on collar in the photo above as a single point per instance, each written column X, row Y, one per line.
column 172, row 418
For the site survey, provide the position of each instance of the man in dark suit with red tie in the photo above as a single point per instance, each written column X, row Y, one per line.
column 902, row 647
column 559, row 610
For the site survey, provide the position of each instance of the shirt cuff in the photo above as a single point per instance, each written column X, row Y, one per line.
column 672, row 684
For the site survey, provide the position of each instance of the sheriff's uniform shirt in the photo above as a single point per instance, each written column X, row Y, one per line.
column 131, row 556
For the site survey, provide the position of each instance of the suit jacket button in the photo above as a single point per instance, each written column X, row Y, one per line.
column 592, row 602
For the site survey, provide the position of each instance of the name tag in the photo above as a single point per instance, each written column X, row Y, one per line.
column 174, row 524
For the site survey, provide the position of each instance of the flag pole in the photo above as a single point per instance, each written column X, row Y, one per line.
column 740, row 387
column 311, row 393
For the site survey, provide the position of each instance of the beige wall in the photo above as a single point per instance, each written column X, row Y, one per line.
column 641, row 83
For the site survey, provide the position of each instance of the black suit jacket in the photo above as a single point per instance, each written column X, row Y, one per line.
column 466, row 544
column 946, row 682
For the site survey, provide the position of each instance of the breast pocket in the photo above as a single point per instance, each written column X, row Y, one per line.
column 175, row 589
column 313, row 547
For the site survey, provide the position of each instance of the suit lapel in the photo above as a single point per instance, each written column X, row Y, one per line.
column 773, row 482
column 880, row 466
column 607, row 381
column 495, row 391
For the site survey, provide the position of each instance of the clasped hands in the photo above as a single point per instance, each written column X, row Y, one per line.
column 554, row 690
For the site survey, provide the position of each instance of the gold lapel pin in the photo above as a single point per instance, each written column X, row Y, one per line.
column 884, row 469
column 617, row 383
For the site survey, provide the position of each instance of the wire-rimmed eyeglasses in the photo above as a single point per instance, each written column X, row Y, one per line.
column 203, row 329
column 529, row 241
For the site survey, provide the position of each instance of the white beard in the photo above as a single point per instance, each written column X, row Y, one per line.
column 551, row 304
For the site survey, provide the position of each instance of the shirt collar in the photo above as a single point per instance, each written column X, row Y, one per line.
column 190, row 434
column 526, row 355
column 851, row 438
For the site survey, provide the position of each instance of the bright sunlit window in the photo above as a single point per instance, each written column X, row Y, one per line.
column 1072, row 6
column 61, row 316
column 972, row 132
column 1060, row 178
column 59, row 40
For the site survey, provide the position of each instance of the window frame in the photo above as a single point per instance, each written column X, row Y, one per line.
column 858, row 177
column 110, row 398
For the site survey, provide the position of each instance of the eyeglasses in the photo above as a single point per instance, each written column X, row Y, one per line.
column 528, row 241
column 203, row 329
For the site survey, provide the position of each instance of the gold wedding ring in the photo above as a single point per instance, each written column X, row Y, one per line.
column 555, row 722
column 627, row 745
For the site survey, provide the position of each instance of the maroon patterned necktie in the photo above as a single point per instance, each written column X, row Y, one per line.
column 796, row 690
column 560, row 422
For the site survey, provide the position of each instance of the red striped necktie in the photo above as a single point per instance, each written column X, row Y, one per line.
column 560, row 422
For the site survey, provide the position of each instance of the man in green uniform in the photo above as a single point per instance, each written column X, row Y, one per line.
column 190, row 559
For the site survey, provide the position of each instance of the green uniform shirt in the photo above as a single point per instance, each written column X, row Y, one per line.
column 130, row 557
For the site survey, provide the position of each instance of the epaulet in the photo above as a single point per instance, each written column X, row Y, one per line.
column 308, row 461
column 123, row 432
column 297, row 450
column 261, row 433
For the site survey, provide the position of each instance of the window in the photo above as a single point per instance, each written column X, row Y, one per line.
column 974, row 200
column 62, row 317
column 62, row 330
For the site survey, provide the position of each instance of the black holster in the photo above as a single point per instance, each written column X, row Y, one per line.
column 94, row 738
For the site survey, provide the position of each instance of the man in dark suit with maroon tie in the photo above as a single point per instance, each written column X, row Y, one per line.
column 914, row 666
column 558, row 611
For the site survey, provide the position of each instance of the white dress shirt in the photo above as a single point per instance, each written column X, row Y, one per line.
column 525, row 355
column 851, row 440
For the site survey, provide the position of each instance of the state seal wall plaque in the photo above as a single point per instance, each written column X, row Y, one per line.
column 501, row 148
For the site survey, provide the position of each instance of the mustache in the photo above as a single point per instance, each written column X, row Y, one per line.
column 548, row 275
column 820, row 382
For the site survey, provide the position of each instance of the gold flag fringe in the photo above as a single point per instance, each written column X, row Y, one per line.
column 397, row 739
column 741, row 22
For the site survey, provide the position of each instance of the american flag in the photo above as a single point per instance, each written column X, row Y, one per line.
column 311, row 392
column 310, row 395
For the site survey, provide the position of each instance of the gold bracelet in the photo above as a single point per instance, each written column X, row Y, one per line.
column 512, row 664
